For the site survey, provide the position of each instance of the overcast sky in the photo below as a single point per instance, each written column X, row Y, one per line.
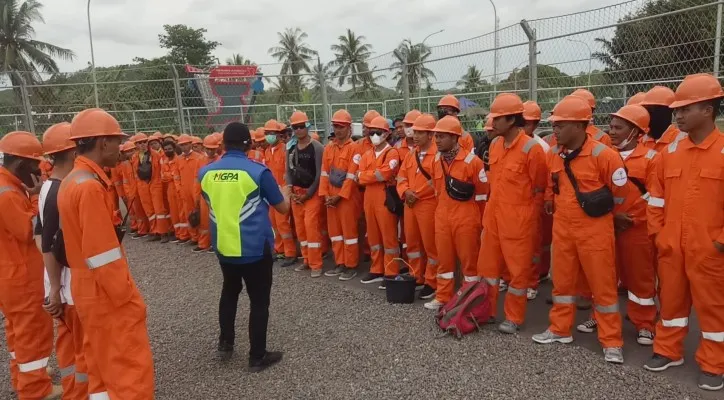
column 123, row 29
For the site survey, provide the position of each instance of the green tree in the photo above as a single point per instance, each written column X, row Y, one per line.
column 321, row 74
column 294, row 54
column 238, row 59
column 472, row 80
column 667, row 47
column 351, row 54
column 19, row 51
column 187, row 45
column 414, row 56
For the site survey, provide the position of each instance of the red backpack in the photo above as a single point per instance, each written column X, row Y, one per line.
column 466, row 311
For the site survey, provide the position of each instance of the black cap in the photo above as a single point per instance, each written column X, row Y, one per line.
column 237, row 133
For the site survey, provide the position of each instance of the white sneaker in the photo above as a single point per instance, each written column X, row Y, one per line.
column 532, row 294
column 645, row 337
column 502, row 286
column 434, row 305
column 613, row 355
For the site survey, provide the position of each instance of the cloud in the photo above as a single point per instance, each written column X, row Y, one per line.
column 124, row 29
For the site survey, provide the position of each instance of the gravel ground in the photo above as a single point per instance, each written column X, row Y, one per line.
column 343, row 342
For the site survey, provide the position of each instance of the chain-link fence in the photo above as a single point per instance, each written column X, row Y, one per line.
column 615, row 51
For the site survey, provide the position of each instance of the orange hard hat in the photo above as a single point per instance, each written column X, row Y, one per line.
column 139, row 137
column 531, row 111
column 196, row 140
column 156, row 136
column 489, row 124
column 585, row 95
column 128, row 146
column 636, row 99
column 271, row 126
column 298, row 118
column 449, row 101
column 635, row 114
column 697, row 88
column 258, row 135
column 281, row 126
column 22, row 144
column 450, row 125
column 411, row 117
column 342, row 117
column 210, row 142
column 571, row 108
column 379, row 123
column 169, row 136
column 314, row 136
column 506, row 104
column 94, row 122
column 369, row 116
column 185, row 139
column 658, row 96
column 425, row 122
column 57, row 139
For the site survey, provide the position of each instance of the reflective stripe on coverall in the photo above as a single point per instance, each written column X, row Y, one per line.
column 420, row 218
column 585, row 244
column 671, row 135
column 635, row 255
column 284, row 243
column 342, row 218
column 458, row 224
column 598, row 135
column 375, row 173
column 71, row 358
column 686, row 215
column 28, row 328
column 517, row 178
column 189, row 165
column 163, row 217
column 108, row 303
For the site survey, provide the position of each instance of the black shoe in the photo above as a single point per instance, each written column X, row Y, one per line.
column 711, row 382
column 173, row 239
column 165, row 239
column 225, row 350
column 290, row 262
column 427, row 292
column 367, row 258
column 269, row 359
column 659, row 363
column 139, row 235
column 383, row 285
column 279, row 256
column 182, row 241
column 192, row 243
column 337, row 271
column 154, row 238
column 372, row 278
column 198, row 249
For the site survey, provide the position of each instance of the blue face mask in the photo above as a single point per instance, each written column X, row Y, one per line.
column 271, row 139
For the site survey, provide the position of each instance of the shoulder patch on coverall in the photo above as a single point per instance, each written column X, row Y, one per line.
column 619, row 177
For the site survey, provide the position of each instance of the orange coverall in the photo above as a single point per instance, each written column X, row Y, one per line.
column 363, row 146
column 72, row 359
column 204, row 226
column 171, row 187
column 583, row 243
column 256, row 155
column 375, row 173
column 458, row 223
column 404, row 147
column 466, row 142
column 189, row 165
column 307, row 221
column 107, row 300
column 686, row 215
column 343, row 217
column 130, row 189
column 598, row 135
column 151, row 194
column 672, row 134
column 420, row 218
column 511, row 225
column 283, row 236
column 28, row 328
column 635, row 254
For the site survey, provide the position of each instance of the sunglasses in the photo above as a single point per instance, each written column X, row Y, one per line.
column 298, row 127
column 377, row 133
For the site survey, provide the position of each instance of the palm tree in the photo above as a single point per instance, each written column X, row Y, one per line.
column 369, row 88
column 414, row 56
column 238, row 59
column 472, row 80
column 19, row 52
column 321, row 74
column 293, row 52
column 351, row 55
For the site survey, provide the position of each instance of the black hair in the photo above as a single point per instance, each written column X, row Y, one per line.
column 168, row 142
column 518, row 120
column 86, row 145
column 716, row 103
column 396, row 120
column 62, row 156
column 9, row 159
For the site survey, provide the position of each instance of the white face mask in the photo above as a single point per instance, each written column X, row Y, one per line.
column 626, row 141
column 409, row 132
column 376, row 139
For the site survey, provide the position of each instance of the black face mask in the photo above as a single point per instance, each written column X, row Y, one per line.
column 660, row 120
column 442, row 114
column 170, row 154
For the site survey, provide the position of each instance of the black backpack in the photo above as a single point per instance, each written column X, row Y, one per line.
column 145, row 170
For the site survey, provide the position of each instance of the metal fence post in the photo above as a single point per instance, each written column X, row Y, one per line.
column 532, row 60
column 405, row 85
column 326, row 109
column 717, row 40
column 135, row 127
column 179, row 99
column 27, row 108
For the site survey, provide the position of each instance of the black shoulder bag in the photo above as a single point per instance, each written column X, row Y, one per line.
column 455, row 188
column 145, row 169
column 393, row 202
column 596, row 203
column 419, row 166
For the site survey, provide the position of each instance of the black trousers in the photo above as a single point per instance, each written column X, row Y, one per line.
column 258, row 279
